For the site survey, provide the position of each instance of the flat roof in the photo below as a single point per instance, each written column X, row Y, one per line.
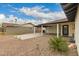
column 53, row 22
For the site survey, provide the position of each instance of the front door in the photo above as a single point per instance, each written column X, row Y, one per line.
column 65, row 30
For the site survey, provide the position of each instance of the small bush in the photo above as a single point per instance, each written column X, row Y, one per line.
column 58, row 44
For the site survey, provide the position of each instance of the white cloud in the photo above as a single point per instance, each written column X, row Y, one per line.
column 39, row 12
column 13, row 19
column 20, row 21
column 10, row 19
column 2, row 17
column 32, row 21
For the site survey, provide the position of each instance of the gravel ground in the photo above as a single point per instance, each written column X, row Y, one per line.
column 10, row 46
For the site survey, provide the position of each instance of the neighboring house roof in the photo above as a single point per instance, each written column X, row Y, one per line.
column 27, row 25
column 9, row 24
column 15, row 25
column 70, row 10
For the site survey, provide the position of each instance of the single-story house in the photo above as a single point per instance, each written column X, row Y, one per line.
column 63, row 27
column 11, row 28
column 66, row 27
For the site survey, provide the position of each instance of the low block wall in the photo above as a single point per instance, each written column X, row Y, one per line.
column 18, row 30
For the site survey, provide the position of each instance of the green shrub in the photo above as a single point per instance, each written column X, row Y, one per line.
column 58, row 44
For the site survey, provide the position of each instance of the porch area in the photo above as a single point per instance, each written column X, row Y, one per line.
column 59, row 29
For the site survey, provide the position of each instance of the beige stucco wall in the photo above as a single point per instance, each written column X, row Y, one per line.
column 77, row 29
column 18, row 30
column 53, row 29
column 71, row 27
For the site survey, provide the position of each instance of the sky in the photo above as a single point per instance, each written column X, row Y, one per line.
column 36, row 13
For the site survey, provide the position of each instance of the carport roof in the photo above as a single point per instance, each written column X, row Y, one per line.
column 70, row 10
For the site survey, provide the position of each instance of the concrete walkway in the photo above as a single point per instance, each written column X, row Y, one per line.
column 27, row 36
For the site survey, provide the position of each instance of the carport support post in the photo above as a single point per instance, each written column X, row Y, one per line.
column 61, row 30
column 34, row 30
column 41, row 29
column 57, row 30
column 77, row 29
